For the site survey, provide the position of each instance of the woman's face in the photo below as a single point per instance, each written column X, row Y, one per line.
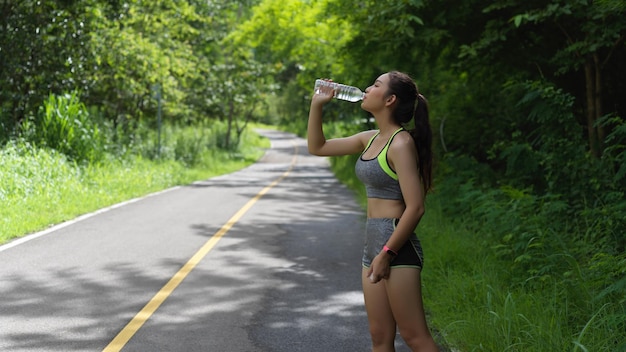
column 376, row 94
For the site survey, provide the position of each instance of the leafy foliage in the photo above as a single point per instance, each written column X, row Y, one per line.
column 43, row 49
column 119, row 54
column 64, row 124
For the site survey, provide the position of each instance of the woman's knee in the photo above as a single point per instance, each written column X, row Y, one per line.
column 382, row 335
column 418, row 341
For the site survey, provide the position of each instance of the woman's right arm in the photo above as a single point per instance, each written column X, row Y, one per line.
column 317, row 143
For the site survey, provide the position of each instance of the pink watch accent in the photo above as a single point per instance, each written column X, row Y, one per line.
column 390, row 251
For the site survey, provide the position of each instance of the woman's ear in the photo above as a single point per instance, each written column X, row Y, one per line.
column 391, row 99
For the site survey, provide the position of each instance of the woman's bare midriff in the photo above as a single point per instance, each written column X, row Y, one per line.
column 384, row 208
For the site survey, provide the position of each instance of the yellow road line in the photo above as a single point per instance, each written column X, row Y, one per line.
column 137, row 322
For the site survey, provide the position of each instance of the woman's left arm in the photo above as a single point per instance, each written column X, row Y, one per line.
column 403, row 157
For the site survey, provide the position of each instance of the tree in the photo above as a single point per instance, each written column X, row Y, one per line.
column 43, row 50
column 301, row 41
column 139, row 45
column 580, row 39
column 234, row 84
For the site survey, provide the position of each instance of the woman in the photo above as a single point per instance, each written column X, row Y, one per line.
column 395, row 165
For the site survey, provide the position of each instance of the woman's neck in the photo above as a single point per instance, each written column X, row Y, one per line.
column 387, row 126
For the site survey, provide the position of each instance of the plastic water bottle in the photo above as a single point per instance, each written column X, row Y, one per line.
column 342, row 91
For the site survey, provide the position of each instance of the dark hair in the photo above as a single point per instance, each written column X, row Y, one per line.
column 411, row 105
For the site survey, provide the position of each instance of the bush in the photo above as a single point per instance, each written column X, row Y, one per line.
column 64, row 124
column 562, row 255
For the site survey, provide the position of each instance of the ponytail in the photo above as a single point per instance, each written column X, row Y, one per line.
column 423, row 138
column 413, row 106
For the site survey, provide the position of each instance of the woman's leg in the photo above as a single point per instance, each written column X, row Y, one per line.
column 404, row 292
column 381, row 323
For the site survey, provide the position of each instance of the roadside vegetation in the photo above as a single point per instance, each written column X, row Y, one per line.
column 40, row 186
column 103, row 101
column 525, row 231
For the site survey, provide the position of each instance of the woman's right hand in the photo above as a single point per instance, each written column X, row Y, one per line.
column 323, row 95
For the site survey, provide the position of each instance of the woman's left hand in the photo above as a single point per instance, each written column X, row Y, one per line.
column 380, row 268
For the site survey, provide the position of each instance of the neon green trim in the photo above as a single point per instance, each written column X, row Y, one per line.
column 397, row 266
column 370, row 142
column 382, row 158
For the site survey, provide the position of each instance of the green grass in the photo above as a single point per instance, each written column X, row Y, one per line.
column 41, row 187
column 474, row 306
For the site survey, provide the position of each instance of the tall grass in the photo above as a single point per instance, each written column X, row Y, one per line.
column 41, row 186
column 475, row 305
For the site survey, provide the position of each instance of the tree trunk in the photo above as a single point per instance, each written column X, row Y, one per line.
column 590, row 92
column 598, row 100
column 231, row 113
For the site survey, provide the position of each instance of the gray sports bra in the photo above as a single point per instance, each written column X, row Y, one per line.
column 379, row 179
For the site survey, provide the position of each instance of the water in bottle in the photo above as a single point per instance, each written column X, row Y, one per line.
column 342, row 91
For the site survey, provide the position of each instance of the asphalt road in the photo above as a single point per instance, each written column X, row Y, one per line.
column 263, row 259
